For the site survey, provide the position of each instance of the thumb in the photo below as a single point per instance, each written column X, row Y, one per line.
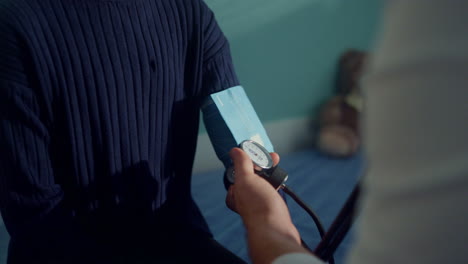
column 243, row 165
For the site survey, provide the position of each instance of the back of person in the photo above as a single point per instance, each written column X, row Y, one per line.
column 99, row 119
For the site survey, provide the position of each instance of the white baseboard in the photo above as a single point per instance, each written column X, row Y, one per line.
column 286, row 135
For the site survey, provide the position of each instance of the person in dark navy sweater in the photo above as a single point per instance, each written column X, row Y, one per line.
column 99, row 116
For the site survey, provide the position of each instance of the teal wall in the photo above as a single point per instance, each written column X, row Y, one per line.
column 285, row 51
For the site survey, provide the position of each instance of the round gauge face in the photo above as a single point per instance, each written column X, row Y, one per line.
column 259, row 155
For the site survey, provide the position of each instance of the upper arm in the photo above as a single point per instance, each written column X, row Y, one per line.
column 218, row 68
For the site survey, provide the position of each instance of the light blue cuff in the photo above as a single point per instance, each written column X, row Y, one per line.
column 230, row 119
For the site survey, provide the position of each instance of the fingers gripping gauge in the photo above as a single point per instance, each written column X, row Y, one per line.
column 263, row 165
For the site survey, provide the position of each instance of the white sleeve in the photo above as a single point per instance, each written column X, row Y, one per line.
column 414, row 207
column 297, row 258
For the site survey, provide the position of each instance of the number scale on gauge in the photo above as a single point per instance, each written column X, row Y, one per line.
column 257, row 153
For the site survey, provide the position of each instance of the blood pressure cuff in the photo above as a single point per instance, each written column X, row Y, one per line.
column 229, row 119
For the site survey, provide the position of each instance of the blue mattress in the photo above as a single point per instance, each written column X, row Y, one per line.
column 323, row 182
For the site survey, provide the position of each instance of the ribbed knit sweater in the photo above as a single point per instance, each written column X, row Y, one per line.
column 99, row 113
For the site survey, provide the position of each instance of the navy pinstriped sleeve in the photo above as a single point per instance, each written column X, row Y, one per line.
column 30, row 200
column 218, row 68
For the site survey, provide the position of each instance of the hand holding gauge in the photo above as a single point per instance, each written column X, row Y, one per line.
column 263, row 165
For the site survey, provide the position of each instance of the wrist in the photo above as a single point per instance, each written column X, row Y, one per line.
column 262, row 226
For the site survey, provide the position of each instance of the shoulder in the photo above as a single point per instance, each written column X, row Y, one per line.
column 196, row 8
column 8, row 19
column 14, row 14
column 14, row 7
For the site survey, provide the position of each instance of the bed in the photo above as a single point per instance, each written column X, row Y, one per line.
column 323, row 182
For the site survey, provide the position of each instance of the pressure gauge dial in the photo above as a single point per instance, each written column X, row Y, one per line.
column 257, row 153
column 263, row 165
